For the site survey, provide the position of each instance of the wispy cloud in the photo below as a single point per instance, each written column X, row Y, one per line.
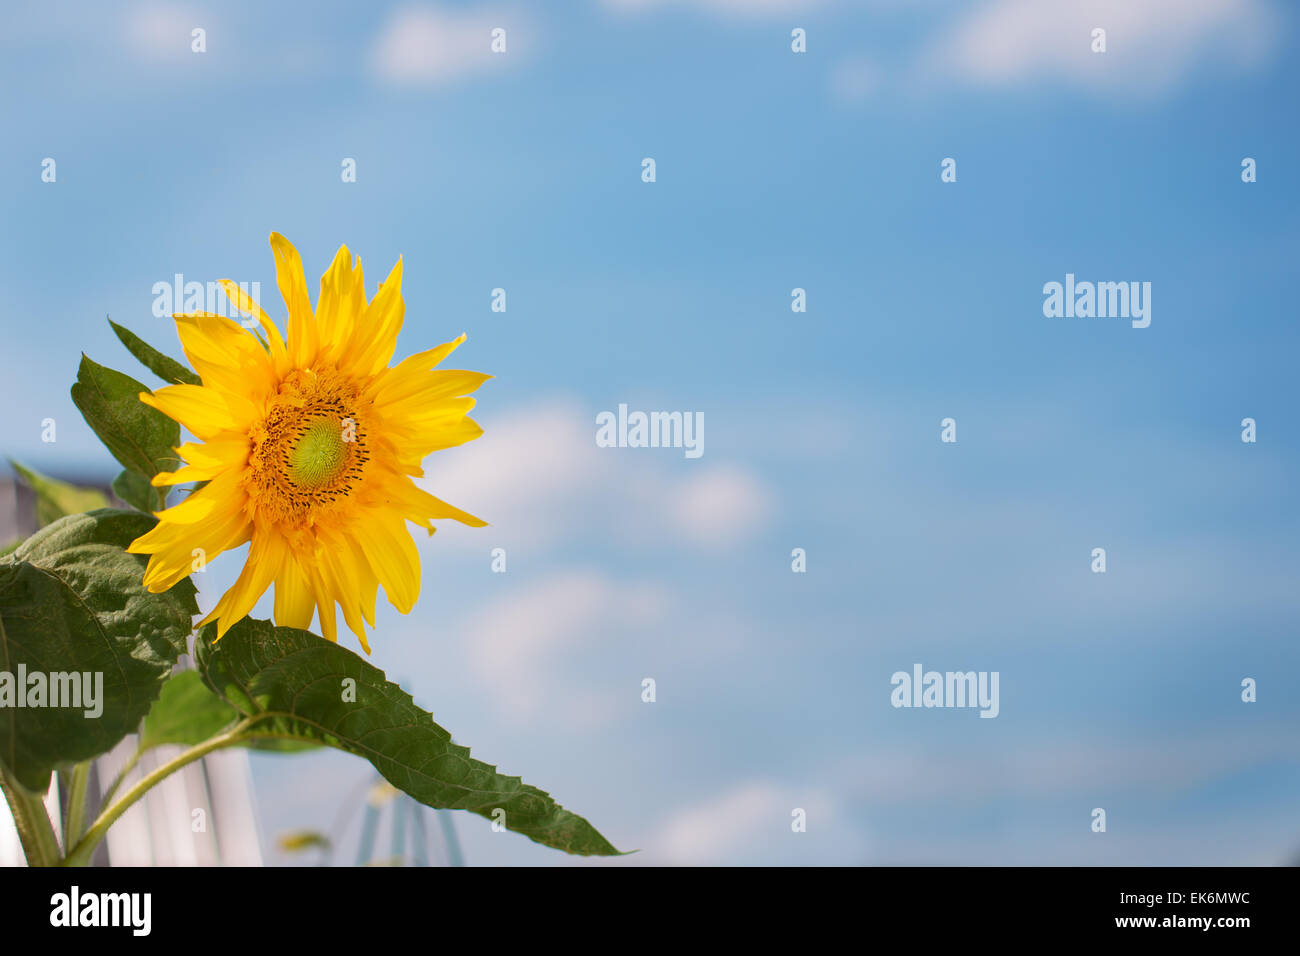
column 539, row 479
column 519, row 643
column 752, row 822
column 163, row 32
column 748, row 9
column 425, row 46
column 1150, row 46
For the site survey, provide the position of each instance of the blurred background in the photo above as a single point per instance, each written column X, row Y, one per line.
column 774, row 170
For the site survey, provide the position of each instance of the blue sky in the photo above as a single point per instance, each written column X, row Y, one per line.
column 775, row 170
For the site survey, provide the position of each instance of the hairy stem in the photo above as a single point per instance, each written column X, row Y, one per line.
column 40, row 845
column 81, row 852
column 76, row 803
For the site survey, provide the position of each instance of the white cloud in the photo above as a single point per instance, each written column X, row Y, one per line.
column 1151, row 45
column 749, row 823
column 524, row 473
column 542, row 483
column 549, row 492
column 519, row 642
column 736, row 8
column 163, row 32
column 719, row 506
column 428, row 46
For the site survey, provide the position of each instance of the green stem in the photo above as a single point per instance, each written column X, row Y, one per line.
column 40, row 845
column 76, row 803
column 80, row 854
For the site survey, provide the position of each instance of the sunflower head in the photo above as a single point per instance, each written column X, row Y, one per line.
column 308, row 446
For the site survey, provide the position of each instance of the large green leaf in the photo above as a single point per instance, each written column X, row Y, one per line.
column 302, row 686
column 134, row 488
column 72, row 601
column 55, row 498
column 143, row 439
column 186, row 712
column 164, row 366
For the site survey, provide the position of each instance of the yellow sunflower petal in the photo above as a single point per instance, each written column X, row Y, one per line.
column 226, row 356
column 416, row 391
column 182, row 475
column 417, row 443
column 324, row 604
column 244, row 303
column 392, row 554
column 294, row 602
column 334, row 317
column 419, row 506
column 356, row 304
column 216, row 497
column 289, row 276
column 204, row 411
column 205, row 461
column 374, row 338
column 227, row 451
column 335, row 579
column 175, row 549
column 358, row 570
column 419, row 362
column 265, row 558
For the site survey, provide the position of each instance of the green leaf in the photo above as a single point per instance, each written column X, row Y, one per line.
column 186, row 712
column 143, row 439
column 73, row 601
column 164, row 366
column 293, row 682
column 283, row 745
column 134, row 488
column 55, row 498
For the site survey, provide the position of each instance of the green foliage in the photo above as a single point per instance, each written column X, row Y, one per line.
column 134, row 488
column 132, row 485
column 186, row 712
column 143, row 439
column 301, row 686
column 164, row 366
column 72, row 600
column 74, row 613
column 55, row 499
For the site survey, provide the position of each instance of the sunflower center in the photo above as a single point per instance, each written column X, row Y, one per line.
column 310, row 451
column 320, row 455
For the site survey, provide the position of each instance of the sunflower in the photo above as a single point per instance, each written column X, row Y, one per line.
column 307, row 449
